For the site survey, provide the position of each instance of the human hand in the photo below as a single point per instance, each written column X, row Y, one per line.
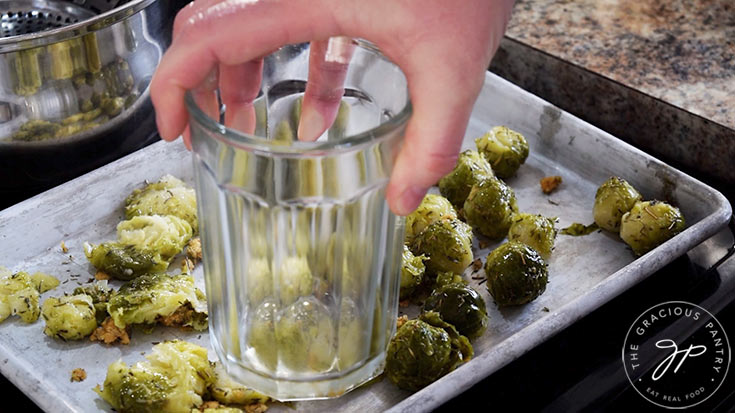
column 442, row 47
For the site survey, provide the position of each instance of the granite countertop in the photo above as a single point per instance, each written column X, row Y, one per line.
column 647, row 71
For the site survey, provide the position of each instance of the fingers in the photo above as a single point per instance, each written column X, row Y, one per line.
column 328, row 64
column 239, row 86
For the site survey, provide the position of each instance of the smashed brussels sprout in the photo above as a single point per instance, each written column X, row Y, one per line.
column 168, row 196
column 412, row 272
column 536, row 231
column 19, row 296
column 447, row 244
column 506, row 150
column 433, row 208
column 227, row 391
column 173, row 379
column 471, row 169
column 460, row 305
column 262, row 333
column 44, row 282
column 516, row 274
column 489, row 208
column 165, row 234
column 295, row 279
column 649, row 224
column 159, row 298
column 100, row 293
column 424, row 350
column 305, row 336
column 70, row 317
column 613, row 199
column 124, row 262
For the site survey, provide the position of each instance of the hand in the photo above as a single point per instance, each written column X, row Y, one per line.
column 443, row 47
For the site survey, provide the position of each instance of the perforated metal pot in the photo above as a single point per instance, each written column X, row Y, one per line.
column 74, row 78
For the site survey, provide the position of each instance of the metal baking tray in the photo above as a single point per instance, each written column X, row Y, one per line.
column 585, row 272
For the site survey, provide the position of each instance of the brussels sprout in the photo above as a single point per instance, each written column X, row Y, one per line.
column 165, row 234
column 168, row 196
column 153, row 298
column 100, row 294
column 489, row 208
column 259, row 280
column 448, row 245
column 446, row 278
column 295, row 279
column 262, row 333
column 70, row 317
column 173, row 379
column 471, row 169
column 613, row 199
column 305, row 336
column 536, row 231
column 124, row 262
column 44, row 282
column 504, row 149
column 516, row 274
column 423, row 350
column 412, row 272
column 352, row 336
column 461, row 306
column 19, row 296
column 578, row 230
column 649, row 224
column 227, row 391
column 433, row 208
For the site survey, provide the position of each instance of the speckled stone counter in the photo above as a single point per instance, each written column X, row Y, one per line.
column 657, row 73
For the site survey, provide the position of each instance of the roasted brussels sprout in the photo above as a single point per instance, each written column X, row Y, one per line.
column 154, row 298
column 579, row 230
column 460, row 305
column 124, row 262
column 227, row 391
column 100, row 294
column 263, row 333
column 506, row 150
column 516, row 274
column 649, row 224
column 613, row 199
column 44, row 282
column 19, row 296
column 471, row 169
column 305, row 336
column 412, row 272
column 69, row 317
column 295, row 279
column 423, row 350
column 433, row 208
column 489, row 208
column 168, row 196
column 173, row 379
column 533, row 230
column 259, row 280
column 351, row 335
column 448, row 245
column 165, row 234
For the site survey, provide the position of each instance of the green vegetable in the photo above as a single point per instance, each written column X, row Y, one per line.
column 516, row 274
column 460, row 305
column 124, row 262
column 424, row 350
column 295, row 279
column 412, row 272
column 225, row 390
column 489, row 208
column 70, row 317
column 100, row 294
column 262, row 333
column 19, row 296
column 259, row 280
column 433, row 208
column 305, row 336
column 168, row 196
column 150, row 298
column 165, row 234
column 650, row 224
column 470, row 170
column 577, row 229
column 448, row 245
column 352, row 336
column 506, row 150
column 613, row 199
column 44, row 282
column 536, row 231
column 173, row 379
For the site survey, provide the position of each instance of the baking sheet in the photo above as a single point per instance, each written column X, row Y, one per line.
column 585, row 272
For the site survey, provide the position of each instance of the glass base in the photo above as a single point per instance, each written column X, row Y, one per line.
column 294, row 390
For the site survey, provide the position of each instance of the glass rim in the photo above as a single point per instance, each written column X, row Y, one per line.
column 256, row 143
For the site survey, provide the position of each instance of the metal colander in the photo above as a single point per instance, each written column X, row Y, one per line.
column 20, row 18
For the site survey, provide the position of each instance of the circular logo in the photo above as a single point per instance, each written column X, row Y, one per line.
column 676, row 354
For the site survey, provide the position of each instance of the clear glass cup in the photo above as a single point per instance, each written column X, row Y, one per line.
column 301, row 253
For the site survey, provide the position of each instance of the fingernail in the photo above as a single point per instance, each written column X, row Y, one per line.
column 410, row 199
column 311, row 126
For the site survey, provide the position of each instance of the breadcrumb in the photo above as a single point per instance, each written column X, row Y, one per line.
column 109, row 333
column 212, row 404
column 256, row 408
column 187, row 265
column 194, row 249
column 476, row 265
column 178, row 318
column 549, row 183
column 99, row 275
column 78, row 374
column 63, row 247
column 404, row 303
column 401, row 321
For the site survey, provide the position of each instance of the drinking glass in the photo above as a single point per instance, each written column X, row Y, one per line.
column 302, row 256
